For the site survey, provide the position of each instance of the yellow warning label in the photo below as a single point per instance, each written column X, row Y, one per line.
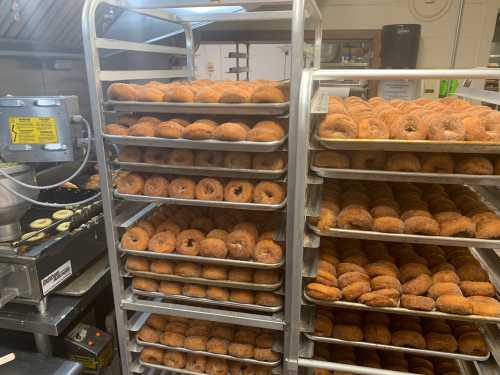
column 87, row 362
column 33, row 130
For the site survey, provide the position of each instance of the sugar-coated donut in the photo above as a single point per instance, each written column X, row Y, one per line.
column 454, row 304
column 169, row 129
column 131, row 183
column 148, row 334
column 240, row 191
column 373, row 128
column 121, row 91
column 388, row 224
column 422, row 225
column 152, row 355
column 230, row 131
column 242, row 296
column 180, row 157
column 387, row 297
column 161, row 266
column 408, row 338
column 162, row 242
column 217, row 345
column 268, row 161
column 174, row 359
column 437, row 163
column 213, row 247
column 207, row 95
column 182, row 188
column 240, row 244
column 137, row 263
column 142, row 283
column 207, row 158
column 268, row 94
column 268, row 251
column 238, row 160
column 377, row 333
column 156, row 186
column 266, row 131
column 409, row 127
column 478, row 165
column 414, row 302
column 403, row 162
column 196, row 363
column 187, row 269
column 157, row 322
column 214, row 272
column 443, row 288
column 355, row 290
column 477, row 288
column 335, row 126
column 234, row 95
column 174, row 339
column 444, row 127
column 351, row 277
column 188, row 242
column 242, row 275
column 355, row 217
column 170, row 289
column 373, row 160
column 217, row 294
column 130, row 154
column 135, row 238
column 209, row 189
column 323, row 292
column 486, row 306
column 192, row 290
column 488, row 228
column 142, row 129
column 268, row 192
column 199, row 130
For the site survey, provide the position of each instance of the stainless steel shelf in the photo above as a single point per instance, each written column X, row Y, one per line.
column 431, row 178
column 342, row 367
column 407, row 238
column 401, row 349
column 199, row 108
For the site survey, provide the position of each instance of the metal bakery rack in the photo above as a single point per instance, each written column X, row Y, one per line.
column 132, row 306
column 313, row 104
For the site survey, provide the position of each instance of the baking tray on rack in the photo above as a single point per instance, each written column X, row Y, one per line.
column 402, row 311
column 201, row 203
column 201, row 259
column 407, row 238
column 202, row 281
column 203, row 171
column 404, row 145
column 436, row 178
column 199, row 108
column 170, row 370
column 209, row 354
column 207, row 301
column 370, row 345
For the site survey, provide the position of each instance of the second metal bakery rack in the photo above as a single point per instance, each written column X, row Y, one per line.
column 131, row 311
column 314, row 103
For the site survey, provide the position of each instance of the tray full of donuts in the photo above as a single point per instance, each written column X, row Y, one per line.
column 420, row 280
column 262, row 135
column 444, row 168
column 382, row 362
column 205, row 192
column 453, row 215
column 263, row 97
column 197, row 337
column 208, row 163
column 425, row 125
column 205, row 236
column 406, row 334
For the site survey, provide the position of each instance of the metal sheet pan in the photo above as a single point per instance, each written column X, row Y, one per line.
column 370, row 345
column 402, row 311
column 203, row 171
column 407, row 238
column 206, row 301
column 208, row 354
column 403, row 145
column 200, row 108
column 170, row 370
column 200, row 259
column 201, row 203
column 201, row 281
column 436, row 178
column 209, row 144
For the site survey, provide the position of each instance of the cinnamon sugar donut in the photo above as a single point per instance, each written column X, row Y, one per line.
column 121, row 91
column 323, row 292
column 168, row 226
column 409, row 127
column 239, row 191
column 155, row 155
column 268, row 161
column 240, row 244
column 162, row 242
column 475, row 129
column 388, row 224
column 181, row 187
column 331, row 159
column 445, row 128
column 130, row 154
column 335, row 126
column 209, row 189
column 162, row 266
column 242, row 275
column 142, row 129
column 478, row 165
column 205, row 158
column 373, row 128
column 355, row 217
column 135, row 238
column 148, row 334
column 217, row 294
column 196, row 291
column 170, row 289
column 127, row 120
column 266, row 131
column 152, row 355
column 238, row 160
column 234, row 95
column 147, row 285
column 216, row 366
column 403, row 162
column 213, row 247
column 268, row 94
column 189, row 242
column 437, row 163
column 268, row 251
column 199, row 130
column 230, row 131
column 268, row 192
column 207, row 95
column 169, row 129
column 156, row 186
column 131, row 183
column 488, row 228
column 373, row 160
column 137, row 263
column 422, row 225
column 242, row 296
column 413, row 302
column 214, row 272
column 458, row 227
column 180, row 157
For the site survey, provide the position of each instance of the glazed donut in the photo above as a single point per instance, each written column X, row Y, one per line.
column 409, row 127
column 377, row 333
column 268, row 192
column 182, row 188
column 196, row 363
column 402, row 162
column 242, row 275
column 161, row 266
column 268, row 94
column 147, row 285
column 207, row 95
column 240, row 244
column 240, row 191
column 408, row 338
column 242, row 296
column 121, row 91
column 216, row 366
column 268, row 161
column 217, row 294
column 336, row 126
column 142, row 129
column 437, row 163
column 413, row 302
column 217, row 345
column 445, row 128
column 192, row 290
column 171, row 338
column 422, row 225
column 155, row 156
column 268, row 299
column 234, row 95
column 477, row 165
column 209, row 189
column 372, row 160
column 355, row 217
column 373, row 128
column 347, row 332
column 477, row 288
column 170, row 289
column 148, row 334
column 130, row 154
column 454, row 304
column 488, row 228
column 174, row 359
column 189, row 242
column 331, row 159
column 135, row 238
column 351, row 277
column 152, row 355
column 214, row 272
column 230, row 131
column 485, row 306
column 268, row 251
column 472, row 343
column 323, row 292
column 162, row 242
column 180, row 157
column 238, row 160
column 212, row 247
column 156, row 186
column 169, row 129
column 388, row 225
column 187, row 269
column 205, row 158
column 266, row 131
column 198, row 343
column 445, row 276
column 131, row 183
